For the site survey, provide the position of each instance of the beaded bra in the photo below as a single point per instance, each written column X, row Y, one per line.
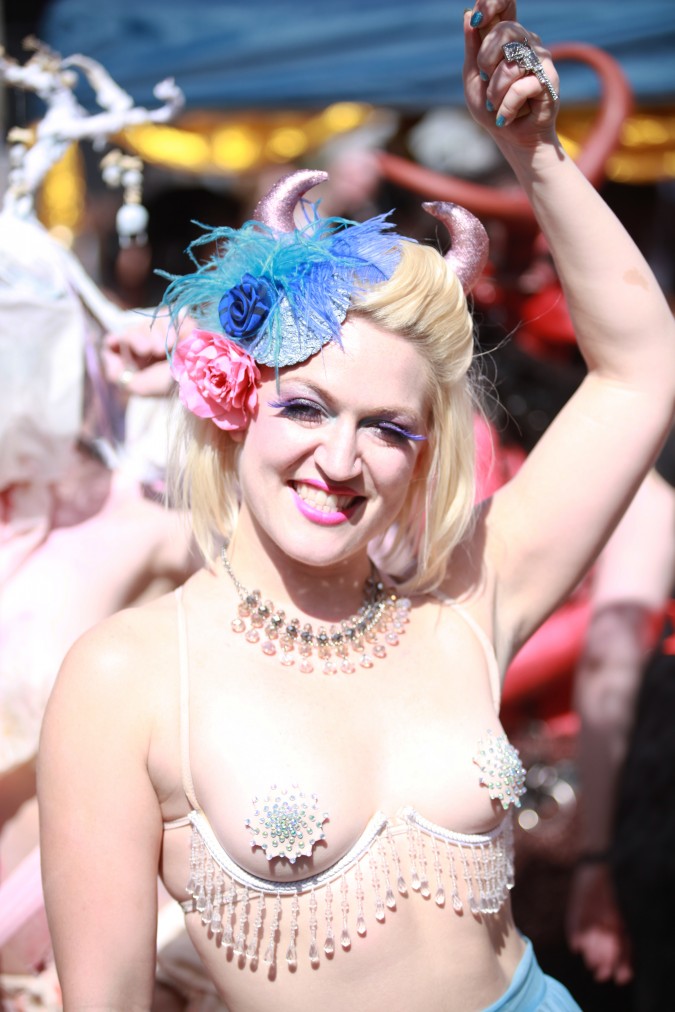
column 257, row 918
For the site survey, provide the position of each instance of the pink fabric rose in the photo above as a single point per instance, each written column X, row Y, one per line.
column 216, row 379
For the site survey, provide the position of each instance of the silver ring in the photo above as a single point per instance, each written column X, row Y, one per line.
column 524, row 55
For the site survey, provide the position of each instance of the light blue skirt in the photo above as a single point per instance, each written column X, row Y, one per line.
column 531, row 990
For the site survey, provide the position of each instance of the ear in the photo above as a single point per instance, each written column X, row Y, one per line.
column 237, row 435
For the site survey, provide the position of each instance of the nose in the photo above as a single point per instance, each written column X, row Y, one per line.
column 337, row 454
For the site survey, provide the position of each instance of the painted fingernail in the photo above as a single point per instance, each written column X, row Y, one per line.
column 476, row 19
column 500, row 121
column 489, row 106
column 483, row 75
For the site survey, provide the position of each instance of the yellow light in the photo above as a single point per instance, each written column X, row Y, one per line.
column 343, row 116
column 61, row 198
column 286, row 143
column 644, row 130
column 235, row 148
column 570, row 146
column 180, row 148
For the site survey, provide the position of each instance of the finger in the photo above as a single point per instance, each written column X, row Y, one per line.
column 515, row 101
column 485, row 12
column 623, row 973
column 624, row 970
column 472, row 46
column 155, row 381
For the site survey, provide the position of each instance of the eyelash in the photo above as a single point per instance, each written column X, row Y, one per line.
column 308, row 411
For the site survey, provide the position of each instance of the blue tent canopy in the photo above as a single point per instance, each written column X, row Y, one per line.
column 299, row 54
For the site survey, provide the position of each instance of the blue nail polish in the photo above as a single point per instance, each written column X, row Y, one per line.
column 483, row 75
column 476, row 19
column 500, row 121
column 489, row 106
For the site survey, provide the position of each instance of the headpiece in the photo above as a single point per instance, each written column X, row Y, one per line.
column 274, row 293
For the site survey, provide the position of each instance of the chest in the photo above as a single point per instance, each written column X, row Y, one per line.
column 406, row 732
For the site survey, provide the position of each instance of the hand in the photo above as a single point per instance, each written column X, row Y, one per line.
column 595, row 928
column 511, row 103
column 135, row 359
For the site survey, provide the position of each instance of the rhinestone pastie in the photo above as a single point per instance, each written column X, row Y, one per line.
column 286, row 824
column 502, row 772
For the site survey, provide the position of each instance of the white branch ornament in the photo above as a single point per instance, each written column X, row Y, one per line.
column 65, row 120
column 37, row 274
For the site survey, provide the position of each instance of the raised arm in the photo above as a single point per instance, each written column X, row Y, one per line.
column 545, row 528
column 100, row 827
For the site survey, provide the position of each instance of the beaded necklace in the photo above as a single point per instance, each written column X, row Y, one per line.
column 362, row 638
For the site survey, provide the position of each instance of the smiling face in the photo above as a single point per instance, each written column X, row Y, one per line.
column 327, row 463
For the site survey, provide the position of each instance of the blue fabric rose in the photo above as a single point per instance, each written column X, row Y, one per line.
column 244, row 308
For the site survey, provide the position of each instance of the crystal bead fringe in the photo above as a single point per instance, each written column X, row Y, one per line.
column 232, row 903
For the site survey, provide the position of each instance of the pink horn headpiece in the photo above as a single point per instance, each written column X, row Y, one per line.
column 469, row 250
column 276, row 208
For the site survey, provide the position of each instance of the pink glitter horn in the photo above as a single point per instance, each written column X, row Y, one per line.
column 467, row 255
column 469, row 250
column 276, row 207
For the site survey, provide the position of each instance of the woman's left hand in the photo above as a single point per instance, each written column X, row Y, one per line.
column 135, row 359
column 515, row 104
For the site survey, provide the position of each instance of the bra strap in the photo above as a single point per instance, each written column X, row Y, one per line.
column 485, row 642
column 183, row 662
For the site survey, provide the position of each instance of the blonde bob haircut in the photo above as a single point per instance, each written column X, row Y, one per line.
column 423, row 302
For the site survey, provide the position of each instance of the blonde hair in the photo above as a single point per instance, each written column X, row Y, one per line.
column 423, row 302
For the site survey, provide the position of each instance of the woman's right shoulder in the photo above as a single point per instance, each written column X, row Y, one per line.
column 125, row 652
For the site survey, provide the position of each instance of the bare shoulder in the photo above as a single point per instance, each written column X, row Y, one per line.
column 123, row 655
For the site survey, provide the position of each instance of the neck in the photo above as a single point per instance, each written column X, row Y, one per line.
column 326, row 593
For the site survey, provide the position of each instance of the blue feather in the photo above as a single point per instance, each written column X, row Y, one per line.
column 315, row 269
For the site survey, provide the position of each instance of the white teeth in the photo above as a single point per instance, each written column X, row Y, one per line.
column 327, row 502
